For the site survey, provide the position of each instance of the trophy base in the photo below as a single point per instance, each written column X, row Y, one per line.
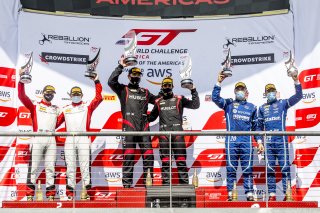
column 131, row 61
column 227, row 73
column 26, row 79
column 187, row 83
column 292, row 72
column 90, row 74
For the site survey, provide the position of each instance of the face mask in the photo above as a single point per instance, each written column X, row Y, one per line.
column 76, row 99
column 167, row 91
column 240, row 95
column 271, row 96
column 48, row 97
column 135, row 80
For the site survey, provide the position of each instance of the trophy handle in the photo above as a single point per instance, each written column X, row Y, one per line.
column 29, row 64
column 95, row 58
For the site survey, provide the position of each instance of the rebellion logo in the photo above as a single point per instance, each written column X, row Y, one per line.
column 48, row 38
column 251, row 40
column 163, row 2
column 147, row 37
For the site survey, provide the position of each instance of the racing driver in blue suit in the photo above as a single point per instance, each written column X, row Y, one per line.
column 240, row 116
column 272, row 117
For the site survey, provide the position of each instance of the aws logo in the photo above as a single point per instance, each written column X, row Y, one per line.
column 112, row 176
column 5, row 96
column 39, row 93
column 214, row 177
column 309, row 98
column 157, row 73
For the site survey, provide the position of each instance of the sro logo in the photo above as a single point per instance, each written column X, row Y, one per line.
column 160, row 37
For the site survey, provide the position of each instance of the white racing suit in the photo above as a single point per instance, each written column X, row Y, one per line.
column 44, row 119
column 77, row 118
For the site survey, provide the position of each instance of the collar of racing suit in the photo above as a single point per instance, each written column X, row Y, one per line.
column 131, row 86
column 76, row 104
column 242, row 101
column 271, row 102
column 45, row 103
column 166, row 97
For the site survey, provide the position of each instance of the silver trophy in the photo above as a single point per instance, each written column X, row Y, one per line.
column 92, row 65
column 130, row 58
column 25, row 76
column 185, row 71
column 292, row 70
column 226, row 71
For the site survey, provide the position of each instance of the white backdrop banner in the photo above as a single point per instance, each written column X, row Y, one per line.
column 62, row 45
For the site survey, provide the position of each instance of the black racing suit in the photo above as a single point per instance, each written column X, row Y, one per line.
column 134, row 105
column 170, row 111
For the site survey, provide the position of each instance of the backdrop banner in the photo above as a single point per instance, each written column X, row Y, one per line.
column 163, row 8
column 259, row 48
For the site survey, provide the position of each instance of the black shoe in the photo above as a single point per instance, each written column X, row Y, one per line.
column 127, row 186
column 250, row 198
column 229, row 198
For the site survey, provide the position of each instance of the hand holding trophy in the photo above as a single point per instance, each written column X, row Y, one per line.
column 91, row 66
column 25, row 76
column 130, row 58
column 185, row 71
column 292, row 70
column 226, row 71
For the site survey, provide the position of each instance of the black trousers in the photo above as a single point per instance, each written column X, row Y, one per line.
column 178, row 147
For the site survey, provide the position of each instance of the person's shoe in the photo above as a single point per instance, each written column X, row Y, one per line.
column 250, row 198
column 272, row 198
column 127, row 186
column 184, row 203
column 51, row 198
column 29, row 198
column 229, row 198
column 70, row 198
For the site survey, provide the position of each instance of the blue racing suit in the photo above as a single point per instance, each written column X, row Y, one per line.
column 240, row 116
column 272, row 117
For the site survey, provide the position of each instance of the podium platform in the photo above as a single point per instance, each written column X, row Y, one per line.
column 145, row 197
column 254, row 204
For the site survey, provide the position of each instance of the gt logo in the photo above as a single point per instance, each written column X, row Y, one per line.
column 309, row 78
column 103, row 195
column 155, row 36
column 215, row 156
column 116, row 157
column 3, row 114
column 24, row 115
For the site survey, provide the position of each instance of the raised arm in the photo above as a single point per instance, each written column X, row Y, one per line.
column 25, row 100
column 194, row 103
column 296, row 97
column 98, row 97
column 217, row 99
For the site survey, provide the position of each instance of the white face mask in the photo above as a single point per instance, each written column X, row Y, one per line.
column 76, row 99
column 240, row 95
